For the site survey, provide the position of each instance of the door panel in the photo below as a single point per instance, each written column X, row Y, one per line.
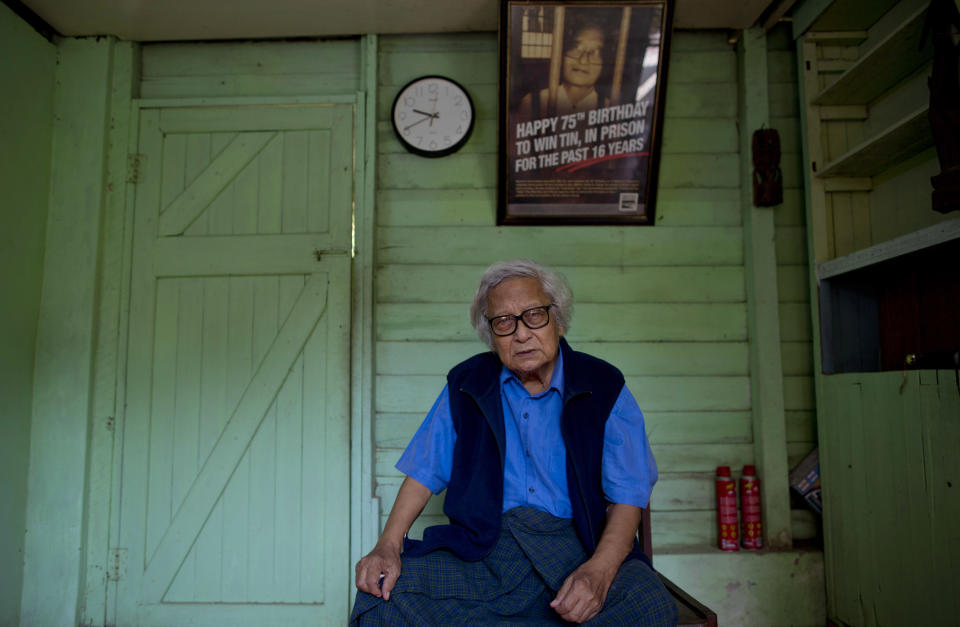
column 235, row 478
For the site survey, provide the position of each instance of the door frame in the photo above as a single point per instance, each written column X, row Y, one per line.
column 104, row 563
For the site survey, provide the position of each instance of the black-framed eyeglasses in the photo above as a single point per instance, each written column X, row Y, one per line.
column 578, row 54
column 533, row 318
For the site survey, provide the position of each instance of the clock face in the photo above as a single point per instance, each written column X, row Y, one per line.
column 433, row 116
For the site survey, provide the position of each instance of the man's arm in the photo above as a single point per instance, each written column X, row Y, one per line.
column 385, row 556
column 582, row 594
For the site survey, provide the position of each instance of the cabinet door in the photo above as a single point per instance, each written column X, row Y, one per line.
column 235, row 476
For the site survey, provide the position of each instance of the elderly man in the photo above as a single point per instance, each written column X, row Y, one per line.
column 545, row 460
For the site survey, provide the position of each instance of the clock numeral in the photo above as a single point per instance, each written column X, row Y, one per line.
column 458, row 100
column 433, row 145
column 402, row 116
column 409, row 101
column 464, row 115
column 433, row 88
column 446, row 140
column 460, row 130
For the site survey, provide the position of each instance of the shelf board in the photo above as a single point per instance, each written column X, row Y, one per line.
column 907, row 137
column 891, row 60
column 918, row 240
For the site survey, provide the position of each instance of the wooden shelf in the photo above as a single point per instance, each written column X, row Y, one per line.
column 892, row 59
column 898, row 142
column 918, row 240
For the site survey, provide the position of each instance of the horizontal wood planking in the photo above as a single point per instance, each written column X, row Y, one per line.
column 792, row 211
column 589, row 246
column 637, row 322
column 801, row 426
column 416, row 393
column 791, row 245
column 632, row 358
column 700, row 458
column 677, row 284
column 471, row 66
column 673, row 492
column 685, row 530
column 472, row 170
column 797, row 357
column 394, row 429
column 676, row 206
column 175, row 70
column 692, row 100
column 249, row 58
column 664, row 304
column 702, row 67
column 792, row 285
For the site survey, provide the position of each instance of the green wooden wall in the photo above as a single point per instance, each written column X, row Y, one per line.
column 889, row 445
column 27, row 63
column 236, row 69
column 793, row 289
column 888, row 440
column 858, row 219
column 666, row 304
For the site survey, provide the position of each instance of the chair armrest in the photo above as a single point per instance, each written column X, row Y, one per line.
column 692, row 612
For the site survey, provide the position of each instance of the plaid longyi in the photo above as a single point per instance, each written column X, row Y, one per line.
column 514, row 584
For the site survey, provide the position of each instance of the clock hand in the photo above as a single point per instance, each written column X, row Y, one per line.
column 429, row 115
column 417, row 122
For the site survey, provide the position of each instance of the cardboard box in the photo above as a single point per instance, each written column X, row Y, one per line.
column 805, row 479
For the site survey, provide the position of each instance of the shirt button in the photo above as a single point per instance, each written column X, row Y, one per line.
column 528, row 453
column 526, row 415
column 531, row 489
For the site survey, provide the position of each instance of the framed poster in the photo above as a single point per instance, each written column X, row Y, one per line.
column 582, row 89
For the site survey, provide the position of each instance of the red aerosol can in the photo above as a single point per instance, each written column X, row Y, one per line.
column 750, row 509
column 727, row 509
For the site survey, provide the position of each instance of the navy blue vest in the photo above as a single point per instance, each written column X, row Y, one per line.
column 474, row 500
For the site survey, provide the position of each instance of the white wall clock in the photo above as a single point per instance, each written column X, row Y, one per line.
column 433, row 116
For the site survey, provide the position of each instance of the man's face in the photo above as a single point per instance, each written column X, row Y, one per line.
column 527, row 351
column 583, row 62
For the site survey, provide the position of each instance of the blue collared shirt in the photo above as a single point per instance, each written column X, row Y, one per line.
column 535, row 462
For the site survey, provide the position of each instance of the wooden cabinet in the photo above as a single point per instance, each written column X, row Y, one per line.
column 870, row 155
column 888, row 287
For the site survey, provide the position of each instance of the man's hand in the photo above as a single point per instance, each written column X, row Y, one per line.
column 381, row 561
column 384, row 559
column 583, row 592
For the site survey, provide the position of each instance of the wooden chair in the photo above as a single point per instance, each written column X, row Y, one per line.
column 692, row 612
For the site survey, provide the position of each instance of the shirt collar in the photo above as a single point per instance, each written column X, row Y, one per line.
column 556, row 379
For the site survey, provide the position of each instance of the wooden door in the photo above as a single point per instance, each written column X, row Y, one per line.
column 234, row 496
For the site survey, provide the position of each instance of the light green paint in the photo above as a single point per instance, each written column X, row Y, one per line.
column 422, row 231
column 235, row 422
column 888, row 441
column 104, row 457
column 763, row 306
column 65, row 341
column 27, row 66
column 684, row 279
column 888, row 458
column 773, row 589
column 268, row 69
column 365, row 506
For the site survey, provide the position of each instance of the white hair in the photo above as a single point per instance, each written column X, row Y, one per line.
column 552, row 283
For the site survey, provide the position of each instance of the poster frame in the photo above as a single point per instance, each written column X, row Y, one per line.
column 645, row 176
